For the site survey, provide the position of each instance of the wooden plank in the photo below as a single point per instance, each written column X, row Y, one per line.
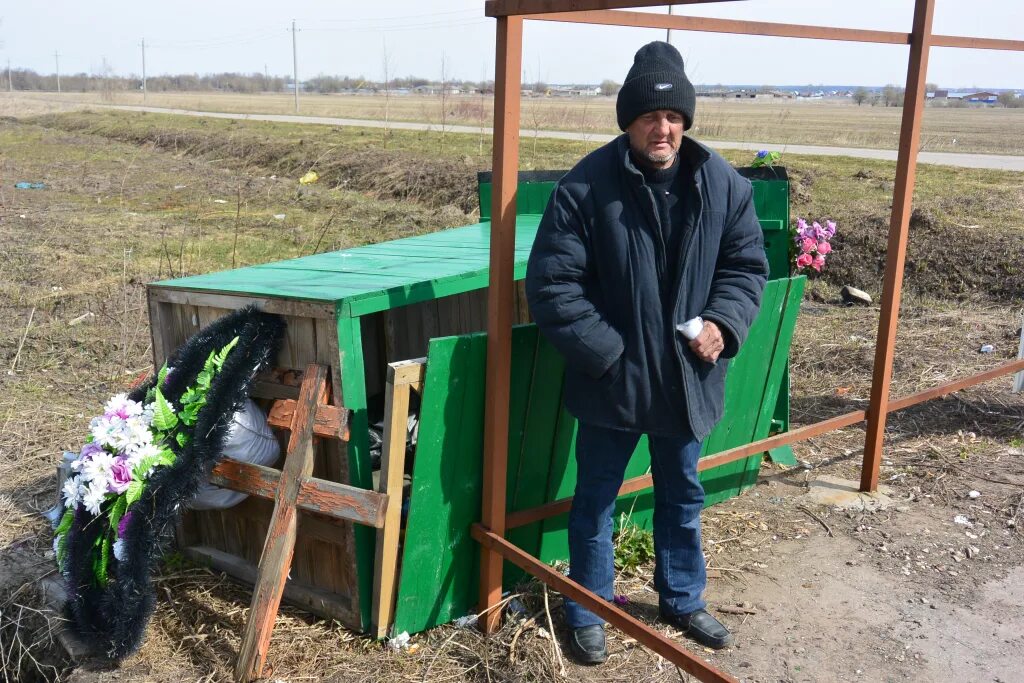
column 235, row 301
column 357, row 462
column 280, row 543
column 330, row 421
column 396, row 417
column 523, row 351
column 322, row 603
column 156, row 331
column 530, row 476
column 778, row 363
column 316, row 495
column 554, row 541
column 744, row 389
column 445, row 494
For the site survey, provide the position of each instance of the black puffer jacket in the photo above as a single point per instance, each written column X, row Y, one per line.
column 598, row 290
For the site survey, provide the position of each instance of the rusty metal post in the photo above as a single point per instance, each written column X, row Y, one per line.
column 899, row 222
column 499, row 305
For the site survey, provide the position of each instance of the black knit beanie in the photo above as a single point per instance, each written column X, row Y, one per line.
column 656, row 81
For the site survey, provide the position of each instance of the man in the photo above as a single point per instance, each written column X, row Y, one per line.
column 644, row 234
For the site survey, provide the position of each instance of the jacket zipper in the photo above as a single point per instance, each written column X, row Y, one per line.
column 675, row 295
column 659, row 235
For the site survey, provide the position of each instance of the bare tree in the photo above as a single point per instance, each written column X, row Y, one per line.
column 892, row 96
column 1008, row 98
column 860, row 95
column 609, row 87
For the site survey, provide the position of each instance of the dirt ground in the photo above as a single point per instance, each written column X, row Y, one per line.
column 927, row 589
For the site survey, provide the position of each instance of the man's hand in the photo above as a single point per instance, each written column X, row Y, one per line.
column 709, row 343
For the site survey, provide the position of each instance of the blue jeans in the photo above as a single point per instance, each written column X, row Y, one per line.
column 679, row 571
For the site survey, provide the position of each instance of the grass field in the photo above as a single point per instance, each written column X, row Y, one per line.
column 131, row 198
column 775, row 122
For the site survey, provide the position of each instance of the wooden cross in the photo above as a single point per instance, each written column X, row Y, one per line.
column 293, row 488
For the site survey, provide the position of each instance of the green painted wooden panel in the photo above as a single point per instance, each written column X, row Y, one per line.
column 438, row 581
column 353, row 390
column 531, row 198
column 378, row 276
column 440, row 562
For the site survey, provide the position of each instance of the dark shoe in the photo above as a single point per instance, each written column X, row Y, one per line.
column 702, row 627
column 587, row 644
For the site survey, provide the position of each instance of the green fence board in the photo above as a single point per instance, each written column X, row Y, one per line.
column 440, row 562
column 530, row 452
column 776, row 388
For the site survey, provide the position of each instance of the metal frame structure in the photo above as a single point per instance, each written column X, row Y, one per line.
column 490, row 532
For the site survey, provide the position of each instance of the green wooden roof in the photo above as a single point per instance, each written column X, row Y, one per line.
column 377, row 276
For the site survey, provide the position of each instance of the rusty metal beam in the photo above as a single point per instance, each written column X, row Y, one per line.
column 711, row 25
column 762, row 28
column 530, row 515
column 562, row 505
column 645, row 635
column 971, row 42
column 899, row 228
column 499, row 304
column 509, row 8
column 956, row 385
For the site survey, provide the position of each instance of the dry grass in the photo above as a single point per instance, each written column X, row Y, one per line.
column 774, row 122
column 113, row 219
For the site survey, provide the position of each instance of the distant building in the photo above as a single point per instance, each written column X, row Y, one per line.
column 983, row 97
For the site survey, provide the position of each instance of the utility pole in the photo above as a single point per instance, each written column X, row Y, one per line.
column 143, row 69
column 295, row 66
column 10, row 81
column 266, row 77
column 668, row 31
column 56, row 57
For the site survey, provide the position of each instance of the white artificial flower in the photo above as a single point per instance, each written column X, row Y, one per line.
column 137, row 435
column 119, row 553
column 72, row 491
column 109, row 431
column 122, row 406
column 137, row 455
column 94, row 496
column 97, row 471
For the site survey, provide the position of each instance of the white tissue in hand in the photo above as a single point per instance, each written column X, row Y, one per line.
column 691, row 329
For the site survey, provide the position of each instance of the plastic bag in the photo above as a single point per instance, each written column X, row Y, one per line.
column 250, row 440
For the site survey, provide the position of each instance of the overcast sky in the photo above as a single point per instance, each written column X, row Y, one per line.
column 348, row 38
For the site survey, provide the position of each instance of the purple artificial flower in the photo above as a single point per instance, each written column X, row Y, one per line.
column 88, row 450
column 123, row 524
column 620, row 600
column 762, row 154
column 120, row 476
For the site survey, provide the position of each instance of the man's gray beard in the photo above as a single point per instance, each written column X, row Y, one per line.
column 658, row 158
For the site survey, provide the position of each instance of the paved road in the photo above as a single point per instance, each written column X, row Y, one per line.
column 994, row 161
